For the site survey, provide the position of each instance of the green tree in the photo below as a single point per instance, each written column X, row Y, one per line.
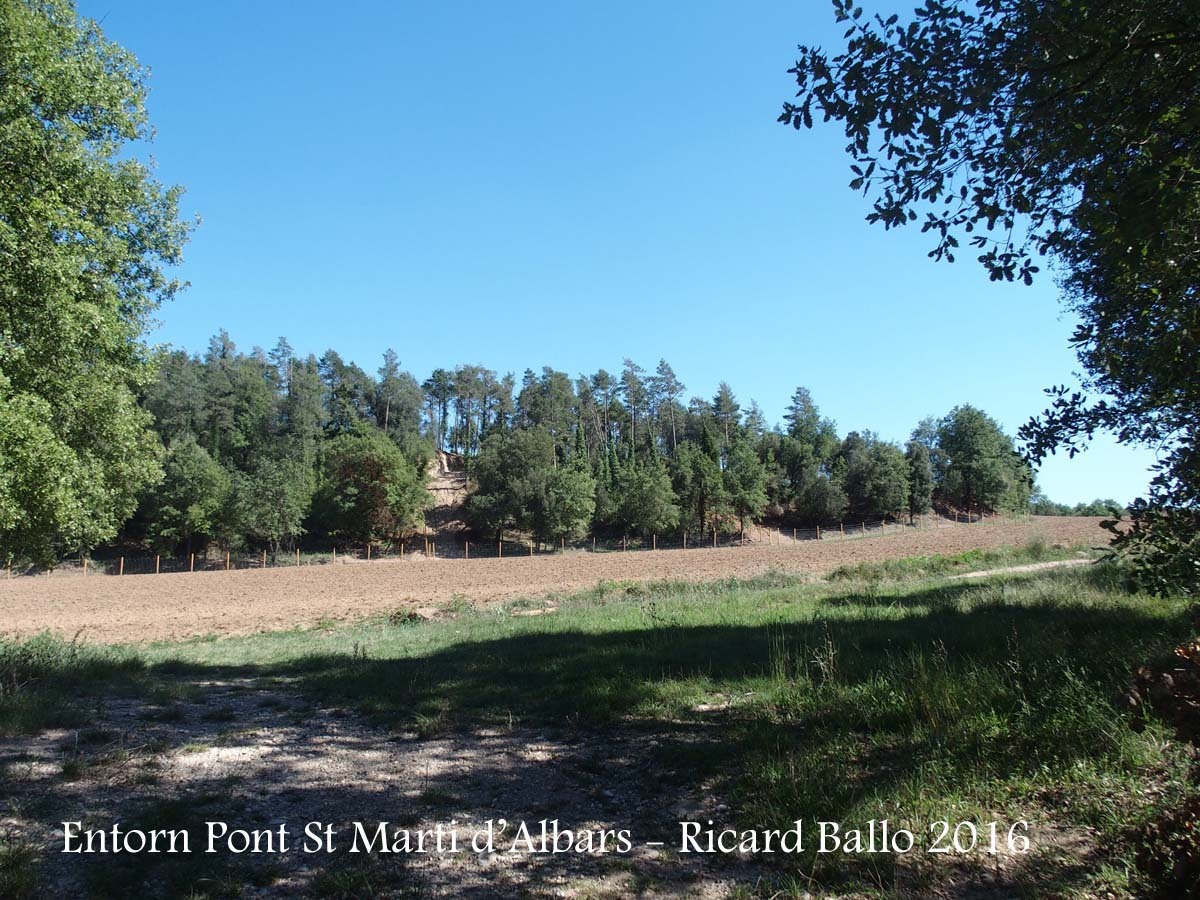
column 920, row 480
column 1037, row 127
column 745, row 482
column 369, row 491
column 647, row 500
column 699, row 484
column 571, row 500
column 512, row 474
column 983, row 470
column 85, row 234
column 874, row 477
column 271, row 501
column 185, row 511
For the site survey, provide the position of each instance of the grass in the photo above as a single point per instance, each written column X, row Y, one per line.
column 885, row 692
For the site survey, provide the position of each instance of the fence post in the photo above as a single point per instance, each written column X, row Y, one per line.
column 593, row 543
column 192, row 561
column 85, row 567
column 625, row 543
column 121, row 566
column 818, row 533
column 368, row 551
column 226, row 560
column 264, row 559
column 297, row 556
column 156, row 558
column 563, row 544
column 335, row 553
column 500, row 549
column 685, row 540
column 714, row 537
column 864, row 529
column 531, row 548
column 654, row 542
column 466, row 549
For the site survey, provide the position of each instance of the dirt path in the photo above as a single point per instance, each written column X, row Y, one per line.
column 170, row 606
column 1032, row 567
column 259, row 757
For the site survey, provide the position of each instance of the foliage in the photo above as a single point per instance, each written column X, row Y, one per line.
column 982, row 469
column 745, row 482
column 920, row 479
column 186, row 509
column 85, row 232
column 369, row 490
column 571, row 499
column 874, row 476
column 1042, row 128
column 647, row 501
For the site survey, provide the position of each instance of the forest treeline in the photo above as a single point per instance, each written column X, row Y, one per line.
column 270, row 449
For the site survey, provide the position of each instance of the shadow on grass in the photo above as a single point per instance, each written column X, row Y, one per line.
column 845, row 715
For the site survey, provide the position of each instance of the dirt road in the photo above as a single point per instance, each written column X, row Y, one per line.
column 162, row 607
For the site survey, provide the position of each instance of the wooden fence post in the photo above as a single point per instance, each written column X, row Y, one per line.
column 818, row 533
column 264, row 559
column 368, row 551
column 864, row 529
column 625, row 543
column 685, row 540
column 192, row 561
column 297, row 556
column 121, row 566
column 226, row 560
column 156, row 558
column 466, row 549
column 714, row 537
column 85, row 567
column 531, row 548
column 500, row 549
column 563, row 544
column 593, row 543
column 654, row 542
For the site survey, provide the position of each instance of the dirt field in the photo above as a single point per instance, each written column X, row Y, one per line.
column 161, row 607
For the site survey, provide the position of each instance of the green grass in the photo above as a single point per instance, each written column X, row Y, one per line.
column 885, row 692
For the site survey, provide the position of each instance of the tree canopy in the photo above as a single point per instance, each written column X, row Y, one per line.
column 1032, row 129
column 85, row 235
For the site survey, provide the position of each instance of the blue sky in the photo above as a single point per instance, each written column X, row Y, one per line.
column 569, row 184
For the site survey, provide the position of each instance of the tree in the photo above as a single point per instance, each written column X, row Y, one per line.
column 745, row 482
column 270, row 502
column 185, row 511
column 85, row 234
column 920, row 480
column 666, row 390
column 512, row 474
column 571, row 496
column 983, row 470
column 874, row 476
column 726, row 411
column 369, row 491
column 647, row 501
column 1031, row 127
column 699, row 484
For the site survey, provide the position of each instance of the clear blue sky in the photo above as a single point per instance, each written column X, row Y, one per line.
column 569, row 184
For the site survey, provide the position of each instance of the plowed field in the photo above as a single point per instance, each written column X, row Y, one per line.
column 169, row 606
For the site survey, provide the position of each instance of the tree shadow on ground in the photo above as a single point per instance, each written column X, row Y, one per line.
column 589, row 729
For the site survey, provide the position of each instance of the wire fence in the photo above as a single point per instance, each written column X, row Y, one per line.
column 462, row 546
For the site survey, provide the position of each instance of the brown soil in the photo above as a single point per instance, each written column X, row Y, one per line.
column 168, row 606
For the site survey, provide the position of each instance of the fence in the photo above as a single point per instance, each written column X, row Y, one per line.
column 461, row 547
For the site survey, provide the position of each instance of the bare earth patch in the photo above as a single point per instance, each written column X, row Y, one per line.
column 172, row 606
